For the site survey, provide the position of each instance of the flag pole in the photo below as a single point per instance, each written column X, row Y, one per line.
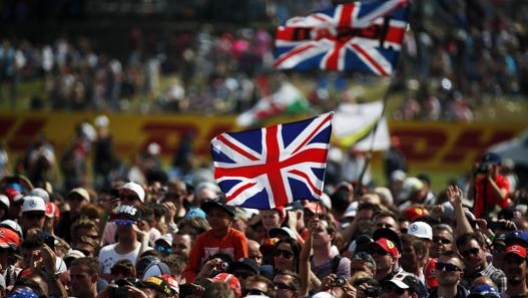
column 385, row 99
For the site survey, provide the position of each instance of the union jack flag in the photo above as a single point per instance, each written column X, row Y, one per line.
column 271, row 167
column 358, row 36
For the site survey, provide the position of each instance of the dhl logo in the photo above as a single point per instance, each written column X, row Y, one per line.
column 425, row 144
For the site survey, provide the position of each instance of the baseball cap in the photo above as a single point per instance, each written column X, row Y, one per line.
column 166, row 238
column 33, row 204
column 156, row 269
column 283, row 231
column 4, row 200
column 81, row 192
column 231, row 280
column 420, row 229
column 218, row 202
column 490, row 158
column 196, row 212
column 360, row 243
column 247, row 263
column 51, row 210
column 172, row 282
column 9, row 238
column 406, row 281
column 387, row 234
column 430, row 274
column 72, row 255
column 516, row 250
column 485, row 291
column 386, row 245
column 40, row 192
column 412, row 213
column 410, row 185
column 516, row 237
column 157, row 283
column 144, row 262
column 13, row 226
column 135, row 188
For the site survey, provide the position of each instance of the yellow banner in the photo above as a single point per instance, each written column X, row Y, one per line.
column 427, row 145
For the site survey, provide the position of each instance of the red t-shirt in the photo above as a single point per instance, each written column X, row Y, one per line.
column 206, row 245
column 502, row 182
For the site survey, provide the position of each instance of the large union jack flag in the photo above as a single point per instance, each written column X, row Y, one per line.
column 271, row 167
column 358, row 36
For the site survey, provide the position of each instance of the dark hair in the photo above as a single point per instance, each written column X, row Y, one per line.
column 125, row 267
column 296, row 279
column 262, row 279
column 176, row 261
column 219, row 290
column 466, row 238
column 91, row 263
column 368, row 206
column 296, row 248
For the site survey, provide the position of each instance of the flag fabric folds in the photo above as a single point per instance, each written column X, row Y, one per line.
column 358, row 36
column 287, row 100
column 354, row 125
column 272, row 167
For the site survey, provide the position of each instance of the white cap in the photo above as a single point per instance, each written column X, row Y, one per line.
column 420, row 229
column 323, row 294
column 398, row 175
column 74, row 254
column 136, row 188
column 101, row 121
column 351, row 210
column 13, row 225
column 410, row 185
column 167, row 238
column 32, row 203
column 41, row 193
column 154, row 148
column 4, row 200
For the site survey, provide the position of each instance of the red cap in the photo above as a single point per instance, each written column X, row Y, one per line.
column 172, row 282
column 387, row 246
column 51, row 210
column 516, row 249
column 413, row 213
column 430, row 274
column 231, row 280
column 9, row 237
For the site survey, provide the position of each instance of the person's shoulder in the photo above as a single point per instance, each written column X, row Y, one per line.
column 107, row 249
column 236, row 233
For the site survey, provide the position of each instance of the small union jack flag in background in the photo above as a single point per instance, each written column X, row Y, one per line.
column 271, row 167
column 358, row 36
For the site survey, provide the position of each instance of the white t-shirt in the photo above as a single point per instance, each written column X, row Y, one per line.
column 108, row 256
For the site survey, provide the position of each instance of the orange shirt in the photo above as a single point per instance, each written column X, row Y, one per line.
column 483, row 190
column 206, row 245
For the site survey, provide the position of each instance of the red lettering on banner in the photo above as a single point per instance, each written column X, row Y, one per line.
column 474, row 142
column 5, row 126
column 162, row 132
column 420, row 145
column 26, row 134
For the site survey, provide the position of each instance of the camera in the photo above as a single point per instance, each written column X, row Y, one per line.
column 372, row 292
column 338, row 282
column 223, row 266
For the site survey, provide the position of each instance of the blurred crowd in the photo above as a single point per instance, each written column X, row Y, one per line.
column 458, row 55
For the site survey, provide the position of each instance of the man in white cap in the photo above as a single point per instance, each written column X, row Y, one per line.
column 33, row 210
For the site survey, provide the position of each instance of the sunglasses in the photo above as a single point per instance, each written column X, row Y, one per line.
column 76, row 198
column 163, row 249
column 393, row 289
column 248, row 292
column 441, row 240
column 447, row 267
column 285, row 253
column 469, row 252
column 282, row 286
column 124, row 222
column 33, row 216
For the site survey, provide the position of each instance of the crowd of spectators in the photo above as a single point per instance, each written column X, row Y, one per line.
column 458, row 55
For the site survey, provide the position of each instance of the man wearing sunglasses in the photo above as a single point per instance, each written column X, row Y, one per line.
column 515, row 270
column 33, row 210
column 287, row 284
column 404, row 285
column 449, row 273
column 127, row 246
column 442, row 240
column 472, row 249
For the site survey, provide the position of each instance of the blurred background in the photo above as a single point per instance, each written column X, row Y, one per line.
column 175, row 73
